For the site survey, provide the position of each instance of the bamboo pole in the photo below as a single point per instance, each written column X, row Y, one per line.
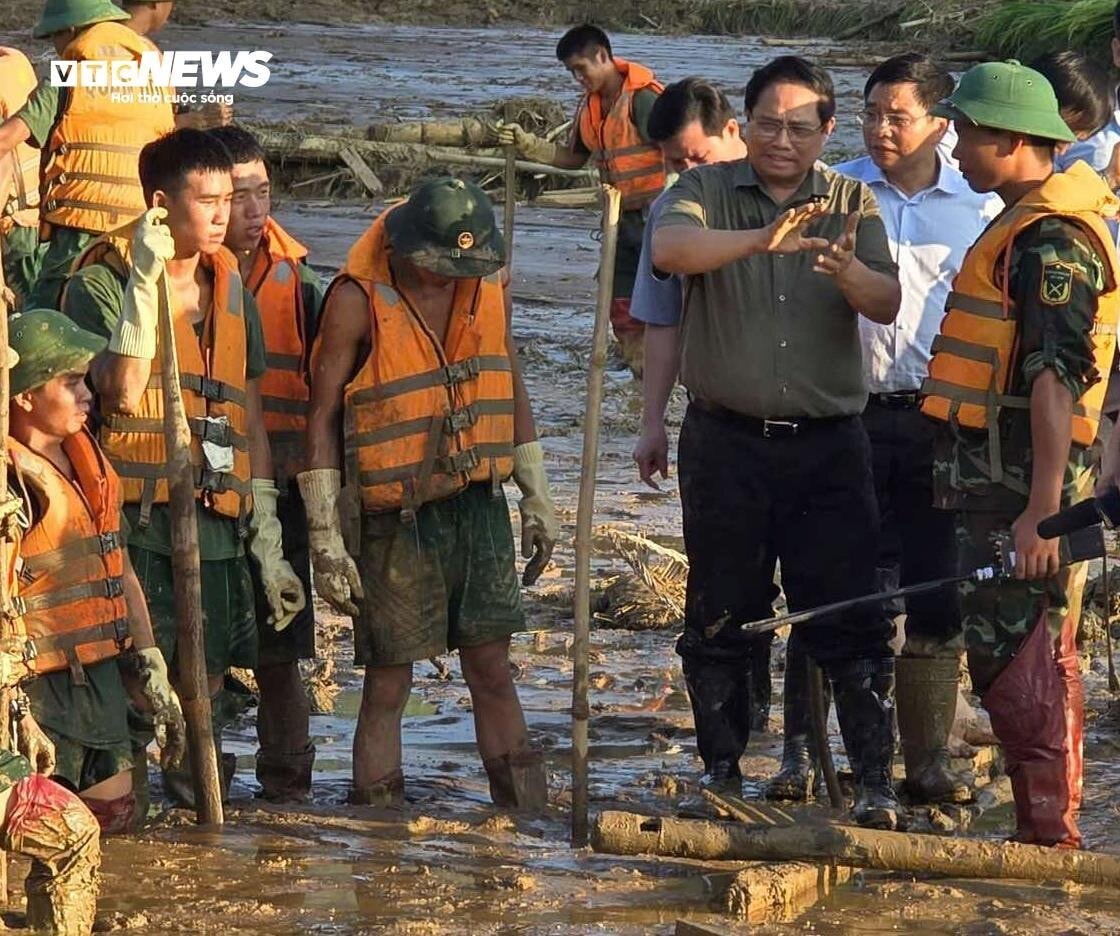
column 621, row 833
column 585, row 511
column 194, row 690
column 7, row 612
column 509, row 209
column 1113, row 681
column 818, row 711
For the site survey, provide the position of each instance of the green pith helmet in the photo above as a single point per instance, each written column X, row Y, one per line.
column 73, row 14
column 447, row 226
column 1007, row 96
column 48, row 344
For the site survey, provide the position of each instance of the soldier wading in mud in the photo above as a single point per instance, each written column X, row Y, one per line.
column 415, row 377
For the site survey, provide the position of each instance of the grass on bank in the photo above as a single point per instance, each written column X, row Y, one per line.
column 1025, row 29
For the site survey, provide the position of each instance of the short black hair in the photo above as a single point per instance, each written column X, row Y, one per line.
column 794, row 70
column 932, row 82
column 1116, row 21
column 685, row 101
column 242, row 146
column 1083, row 89
column 166, row 161
column 582, row 40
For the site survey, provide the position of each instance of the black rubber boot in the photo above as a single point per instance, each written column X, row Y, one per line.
column 864, row 691
column 798, row 776
column 720, row 693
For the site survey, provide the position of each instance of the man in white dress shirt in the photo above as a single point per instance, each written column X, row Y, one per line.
column 932, row 217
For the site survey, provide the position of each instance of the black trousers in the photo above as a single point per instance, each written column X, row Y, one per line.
column 917, row 540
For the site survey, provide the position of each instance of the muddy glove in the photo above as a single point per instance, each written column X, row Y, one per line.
column 134, row 335
column 336, row 576
column 33, row 743
column 539, row 527
column 528, row 144
column 282, row 587
column 167, row 713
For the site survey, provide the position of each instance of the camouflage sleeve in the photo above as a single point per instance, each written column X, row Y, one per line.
column 1055, row 279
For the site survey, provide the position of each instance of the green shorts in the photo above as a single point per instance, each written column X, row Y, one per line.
column 446, row 581
column 80, row 767
column 23, row 255
column 228, row 619
column 54, row 266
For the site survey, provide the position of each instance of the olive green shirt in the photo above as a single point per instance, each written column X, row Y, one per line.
column 766, row 336
column 41, row 111
column 93, row 299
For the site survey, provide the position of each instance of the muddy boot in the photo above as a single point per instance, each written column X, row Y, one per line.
column 518, row 779
column 53, row 827
column 926, row 691
column 865, row 707
column 720, row 693
column 285, row 776
column 385, row 793
column 798, row 776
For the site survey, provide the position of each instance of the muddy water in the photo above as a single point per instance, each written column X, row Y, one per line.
column 447, row 863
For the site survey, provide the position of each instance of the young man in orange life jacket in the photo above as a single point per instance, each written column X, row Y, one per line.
column 79, row 598
column 416, row 391
column 274, row 268
column 115, row 292
column 88, row 179
column 610, row 128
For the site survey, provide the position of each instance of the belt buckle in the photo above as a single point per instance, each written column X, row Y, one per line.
column 779, row 427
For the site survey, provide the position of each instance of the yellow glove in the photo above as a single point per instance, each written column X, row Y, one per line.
column 336, row 576
column 539, row 526
column 282, row 587
column 167, row 713
column 528, row 144
column 134, row 335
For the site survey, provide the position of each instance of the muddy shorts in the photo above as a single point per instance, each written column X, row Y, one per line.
column 80, row 767
column 297, row 640
column 445, row 581
column 228, row 616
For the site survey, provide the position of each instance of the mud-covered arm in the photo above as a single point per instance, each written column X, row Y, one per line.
column 343, row 343
column 524, row 426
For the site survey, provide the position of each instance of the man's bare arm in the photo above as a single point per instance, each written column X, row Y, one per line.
column 120, row 382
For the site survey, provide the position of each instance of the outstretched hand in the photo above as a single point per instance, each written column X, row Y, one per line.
column 786, row 233
column 836, row 259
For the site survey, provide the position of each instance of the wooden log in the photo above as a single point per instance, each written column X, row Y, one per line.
column 585, row 511
column 509, row 209
column 466, row 131
column 361, row 171
column 568, row 198
column 194, row 690
column 7, row 611
column 622, row 833
column 773, row 892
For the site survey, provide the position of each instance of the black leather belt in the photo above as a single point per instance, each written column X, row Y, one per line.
column 768, row 428
column 898, row 399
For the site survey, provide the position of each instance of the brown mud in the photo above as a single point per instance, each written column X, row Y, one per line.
column 448, row 863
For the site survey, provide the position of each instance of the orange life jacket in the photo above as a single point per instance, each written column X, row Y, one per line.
column 633, row 166
column 975, row 355
column 17, row 81
column 425, row 418
column 275, row 283
column 213, row 382
column 71, row 591
column 90, row 178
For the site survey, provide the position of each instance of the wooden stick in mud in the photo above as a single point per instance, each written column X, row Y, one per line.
column 585, row 511
column 818, row 712
column 622, row 833
column 509, row 209
column 194, row 690
column 1113, row 681
column 7, row 611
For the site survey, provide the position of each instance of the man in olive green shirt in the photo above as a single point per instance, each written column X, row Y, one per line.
column 779, row 259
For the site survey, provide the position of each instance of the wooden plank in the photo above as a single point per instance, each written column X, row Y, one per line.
column 362, row 172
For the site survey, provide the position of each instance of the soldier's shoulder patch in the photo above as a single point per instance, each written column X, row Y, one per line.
column 1056, row 285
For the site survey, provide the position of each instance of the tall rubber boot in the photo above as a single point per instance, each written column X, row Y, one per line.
column 720, row 693
column 864, row 691
column 926, row 694
column 1028, row 704
column 1070, row 670
column 799, row 773
column 384, row 793
column 518, row 779
column 285, row 776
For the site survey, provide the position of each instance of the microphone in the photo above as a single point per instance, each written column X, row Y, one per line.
column 1104, row 509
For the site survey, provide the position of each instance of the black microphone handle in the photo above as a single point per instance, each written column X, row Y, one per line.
column 1079, row 516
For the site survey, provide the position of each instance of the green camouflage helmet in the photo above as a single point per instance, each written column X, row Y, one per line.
column 74, row 14
column 447, row 226
column 1007, row 96
column 48, row 344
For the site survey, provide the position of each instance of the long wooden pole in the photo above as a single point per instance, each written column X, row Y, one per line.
column 7, row 612
column 509, row 209
column 622, row 833
column 612, row 200
column 194, row 690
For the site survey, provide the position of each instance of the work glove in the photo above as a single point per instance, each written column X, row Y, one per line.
column 33, row 743
column 134, row 335
column 336, row 576
column 527, row 144
column 282, row 587
column 167, row 713
column 539, row 527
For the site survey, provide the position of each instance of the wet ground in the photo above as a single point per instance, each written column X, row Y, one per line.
column 448, row 863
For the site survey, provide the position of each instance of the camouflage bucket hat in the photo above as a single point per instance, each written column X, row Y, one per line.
column 48, row 344
column 447, row 226
column 74, row 14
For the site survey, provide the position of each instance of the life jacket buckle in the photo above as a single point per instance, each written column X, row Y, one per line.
column 461, row 371
column 114, row 587
column 108, row 542
column 461, row 419
column 212, row 389
column 121, row 633
column 462, row 462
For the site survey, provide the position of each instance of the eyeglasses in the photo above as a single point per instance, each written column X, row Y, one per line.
column 769, row 129
column 872, row 120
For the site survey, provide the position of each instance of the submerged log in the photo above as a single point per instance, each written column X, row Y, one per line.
column 621, row 833
column 466, row 131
